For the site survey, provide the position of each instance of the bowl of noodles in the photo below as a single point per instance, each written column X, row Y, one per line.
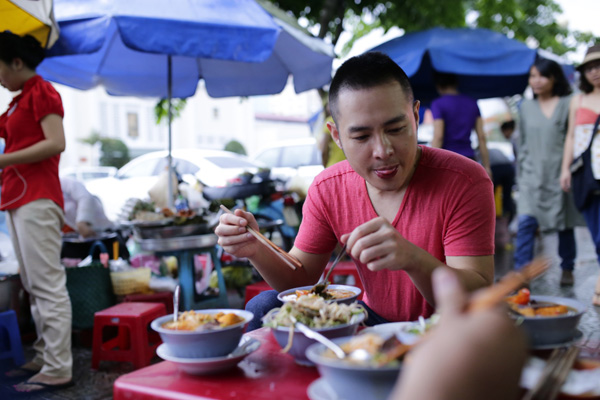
column 332, row 320
column 548, row 321
column 202, row 333
column 373, row 378
column 333, row 293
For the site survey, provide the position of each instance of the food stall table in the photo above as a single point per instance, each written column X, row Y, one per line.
column 265, row 374
column 184, row 248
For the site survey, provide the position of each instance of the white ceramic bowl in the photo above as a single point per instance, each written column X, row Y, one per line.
column 351, row 381
column 346, row 300
column 206, row 343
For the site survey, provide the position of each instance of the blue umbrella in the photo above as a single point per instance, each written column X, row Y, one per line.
column 153, row 48
column 234, row 45
column 488, row 64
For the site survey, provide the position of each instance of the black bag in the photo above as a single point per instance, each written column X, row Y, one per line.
column 583, row 183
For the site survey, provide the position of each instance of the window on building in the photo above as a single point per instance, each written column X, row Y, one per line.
column 132, row 125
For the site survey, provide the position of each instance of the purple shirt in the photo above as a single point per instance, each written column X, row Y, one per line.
column 459, row 113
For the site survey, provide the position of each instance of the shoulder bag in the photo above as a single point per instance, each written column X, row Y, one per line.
column 583, row 184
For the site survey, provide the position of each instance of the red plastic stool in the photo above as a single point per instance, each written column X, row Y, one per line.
column 347, row 268
column 160, row 297
column 133, row 342
column 256, row 288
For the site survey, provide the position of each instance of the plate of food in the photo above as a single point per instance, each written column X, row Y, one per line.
column 333, row 293
column 582, row 382
column 408, row 332
column 203, row 366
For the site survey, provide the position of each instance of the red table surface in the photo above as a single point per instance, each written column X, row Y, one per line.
column 265, row 374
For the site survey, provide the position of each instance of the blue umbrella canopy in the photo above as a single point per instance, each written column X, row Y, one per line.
column 234, row 45
column 488, row 64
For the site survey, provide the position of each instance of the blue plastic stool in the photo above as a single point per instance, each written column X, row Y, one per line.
column 10, row 338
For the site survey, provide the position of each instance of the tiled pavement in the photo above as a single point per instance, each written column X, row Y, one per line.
column 97, row 385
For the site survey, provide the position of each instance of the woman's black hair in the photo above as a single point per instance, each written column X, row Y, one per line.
column 551, row 69
column 27, row 48
column 584, row 85
column 445, row 79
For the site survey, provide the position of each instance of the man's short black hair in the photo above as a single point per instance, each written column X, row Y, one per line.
column 366, row 71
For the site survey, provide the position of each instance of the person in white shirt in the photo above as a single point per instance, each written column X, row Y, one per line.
column 84, row 212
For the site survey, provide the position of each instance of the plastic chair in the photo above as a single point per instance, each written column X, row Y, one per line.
column 255, row 288
column 133, row 342
column 10, row 338
column 159, row 297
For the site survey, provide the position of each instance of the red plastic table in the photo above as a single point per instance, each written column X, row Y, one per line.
column 263, row 375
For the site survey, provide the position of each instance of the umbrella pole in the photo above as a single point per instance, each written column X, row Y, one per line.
column 170, row 118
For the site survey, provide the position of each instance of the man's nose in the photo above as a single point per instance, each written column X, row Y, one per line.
column 383, row 146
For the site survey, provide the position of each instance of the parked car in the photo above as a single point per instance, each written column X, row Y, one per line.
column 137, row 177
column 86, row 173
column 292, row 159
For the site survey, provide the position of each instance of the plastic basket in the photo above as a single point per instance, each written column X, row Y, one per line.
column 132, row 281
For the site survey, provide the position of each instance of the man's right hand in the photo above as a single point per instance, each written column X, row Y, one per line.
column 233, row 235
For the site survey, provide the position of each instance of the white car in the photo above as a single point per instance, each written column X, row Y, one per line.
column 86, row 173
column 137, row 177
column 295, row 159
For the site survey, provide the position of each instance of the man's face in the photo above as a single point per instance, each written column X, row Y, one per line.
column 377, row 129
column 8, row 77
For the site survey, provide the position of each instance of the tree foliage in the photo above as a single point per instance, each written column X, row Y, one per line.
column 114, row 152
column 235, row 147
column 161, row 109
column 522, row 19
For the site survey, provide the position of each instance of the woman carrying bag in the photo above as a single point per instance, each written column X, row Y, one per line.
column 583, row 115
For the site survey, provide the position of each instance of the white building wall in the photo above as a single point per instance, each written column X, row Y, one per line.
column 205, row 122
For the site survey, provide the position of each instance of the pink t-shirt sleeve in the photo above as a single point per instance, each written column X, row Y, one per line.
column 315, row 235
column 470, row 229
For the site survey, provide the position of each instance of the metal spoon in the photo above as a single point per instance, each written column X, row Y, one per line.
column 176, row 303
column 322, row 285
column 358, row 354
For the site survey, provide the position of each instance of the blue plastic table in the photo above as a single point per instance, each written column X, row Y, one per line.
column 184, row 249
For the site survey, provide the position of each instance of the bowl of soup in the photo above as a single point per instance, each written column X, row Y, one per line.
column 548, row 321
column 371, row 379
column 333, row 293
column 202, row 333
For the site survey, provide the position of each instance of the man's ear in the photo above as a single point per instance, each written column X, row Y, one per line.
column 416, row 107
column 335, row 134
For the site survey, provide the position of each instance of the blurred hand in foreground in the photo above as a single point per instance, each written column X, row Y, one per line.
column 469, row 356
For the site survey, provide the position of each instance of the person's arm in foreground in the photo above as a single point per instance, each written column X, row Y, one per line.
column 471, row 356
column 483, row 149
column 236, row 240
column 438, row 133
column 565, row 172
column 53, row 143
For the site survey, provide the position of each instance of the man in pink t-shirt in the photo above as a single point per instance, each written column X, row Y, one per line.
column 402, row 210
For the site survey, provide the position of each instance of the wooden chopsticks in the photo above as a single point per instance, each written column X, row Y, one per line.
column 554, row 374
column 512, row 281
column 289, row 260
